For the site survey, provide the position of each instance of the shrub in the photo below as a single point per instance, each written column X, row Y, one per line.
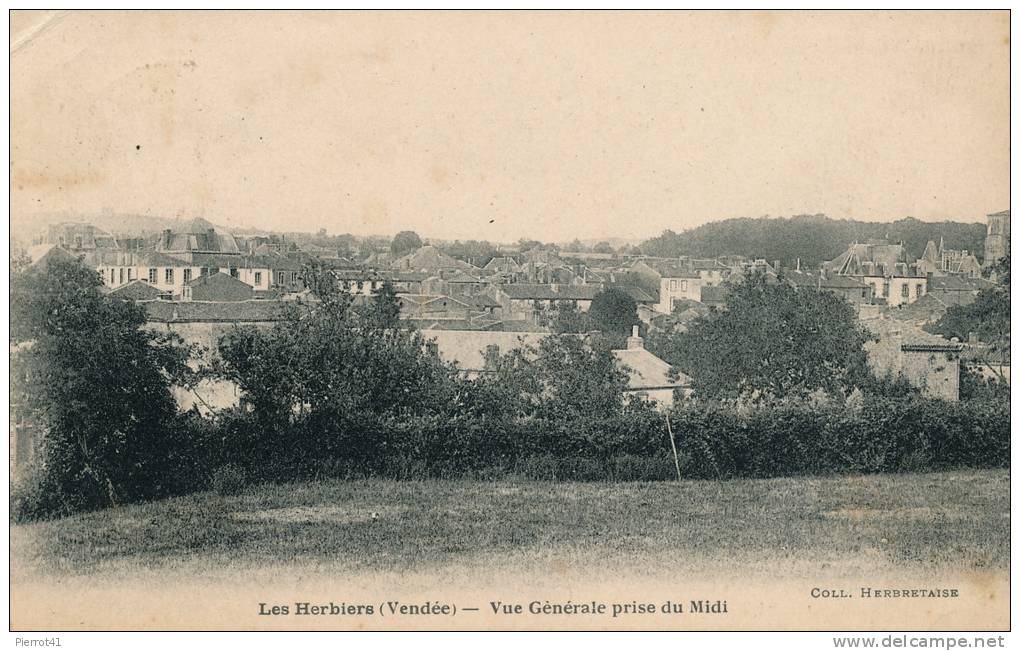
column 229, row 479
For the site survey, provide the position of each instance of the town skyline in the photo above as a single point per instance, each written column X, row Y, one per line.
column 29, row 227
column 369, row 123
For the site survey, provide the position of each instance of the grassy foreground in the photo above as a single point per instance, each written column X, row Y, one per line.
column 841, row 525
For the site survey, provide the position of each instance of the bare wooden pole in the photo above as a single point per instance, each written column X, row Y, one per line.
column 672, row 442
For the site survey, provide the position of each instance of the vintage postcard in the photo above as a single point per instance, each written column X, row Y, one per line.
column 510, row 320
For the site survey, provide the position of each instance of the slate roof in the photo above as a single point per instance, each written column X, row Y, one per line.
column 957, row 284
column 121, row 258
column 430, row 258
column 639, row 295
column 197, row 235
column 527, row 291
column 502, row 264
column 911, row 338
column 818, row 281
column 645, row 371
column 714, row 294
column 467, row 348
column 379, row 275
column 216, row 312
column 137, row 290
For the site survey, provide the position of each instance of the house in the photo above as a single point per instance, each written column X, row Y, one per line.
column 420, row 306
column 852, row 290
column 79, row 237
column 679, row 279
column 457, row 283
column 927, row 309
column 217, row 287
column 138, row 290
column 956, row 290
column 648, row 376
column 527, row 301
column 430, row 259
column 883, row 266
column 714, row 296
column 928, row 362
column 537, row 272
column 198, row 236
column 469, row 349
column 940, row 261
column 640, row 296
column 171, row 274
column 677, row 284
column 202, row 323
column 710, row 270
column 502, row 264
column 367, row 281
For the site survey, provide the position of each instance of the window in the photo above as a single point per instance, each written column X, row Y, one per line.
column 187, row 275
column 152, row 275
column 905, row 290
column 131, row 274
column 918, row 290
column 672, row 285
column 121, row 275
column 233, row 272
column 258, row 277
column 885, row 289
column 168, row 275
column 113, row 278
column 683, row 286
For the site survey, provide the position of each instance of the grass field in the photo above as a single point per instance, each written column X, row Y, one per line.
column 841, row 526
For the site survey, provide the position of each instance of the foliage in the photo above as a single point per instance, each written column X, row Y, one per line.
column 229, row 479
column 568, row 319
column 771, row 341
column 476, row 252
column 715, row 440
column 987, row 317
column 405, row 242
column 613, row 311
column 560, row 378
column 812, row 239
column 330, row 360
column 95, row 385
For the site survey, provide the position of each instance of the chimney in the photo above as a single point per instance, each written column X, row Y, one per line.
column 634, row 341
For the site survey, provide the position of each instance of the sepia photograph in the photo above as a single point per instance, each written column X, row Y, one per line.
column 492, row 320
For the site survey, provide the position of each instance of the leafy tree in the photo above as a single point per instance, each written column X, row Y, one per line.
column 475, row 252
column 568, row 318
column 95, row 384
column 332, row 360
column 384, row 309
column 812, row 239
column 603, row 247
column 613, row 311
column 772, row 341
column 987, row 317
column 405, row 242
column 562, row 378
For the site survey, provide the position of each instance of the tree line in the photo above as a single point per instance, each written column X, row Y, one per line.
column 811, row 239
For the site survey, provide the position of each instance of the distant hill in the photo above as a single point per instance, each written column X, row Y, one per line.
column 811, row 238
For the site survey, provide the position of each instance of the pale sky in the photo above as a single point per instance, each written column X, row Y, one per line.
column 506, row 125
